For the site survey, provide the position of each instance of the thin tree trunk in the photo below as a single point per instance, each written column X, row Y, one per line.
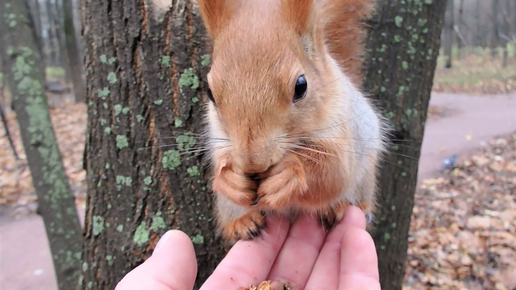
column 74, row 56
column 448, row 33
column 2, row 113
column 52, row 35
column 478, row 25
column 400, row 78
column 55, row 200
column 495, row 36
column 460, row 40
column 507, row 32
column 145, row 69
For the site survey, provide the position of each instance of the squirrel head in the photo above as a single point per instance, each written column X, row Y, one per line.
column 271, row 80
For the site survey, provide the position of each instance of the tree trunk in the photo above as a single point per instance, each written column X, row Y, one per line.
column 448, row 33
column 460, row 40
column 35, row 18
column 495, row 36
column 56, row 202
column 399, row 77
column 74, row 56
column 145, row 69
column 507, row 33
column 478, row 24
column 52, row 35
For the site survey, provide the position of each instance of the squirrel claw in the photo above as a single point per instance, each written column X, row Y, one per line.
column 369, row 217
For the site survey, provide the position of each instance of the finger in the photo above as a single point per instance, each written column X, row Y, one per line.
column 327, row 268
column 359, row 263
column 249, row 262
column 171, row 266
column 299, row 253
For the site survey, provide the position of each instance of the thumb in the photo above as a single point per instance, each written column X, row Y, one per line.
column 172, row 266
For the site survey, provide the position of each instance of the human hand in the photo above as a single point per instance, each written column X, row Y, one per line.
column 300, row 254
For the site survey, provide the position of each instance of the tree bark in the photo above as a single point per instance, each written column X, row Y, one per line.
column 73, row 52
column 403, row 45
column 56, row 202
column 145, row 69
column 448, row 33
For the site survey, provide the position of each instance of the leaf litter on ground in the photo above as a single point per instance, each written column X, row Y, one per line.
column 69, row 122
column 463, row 229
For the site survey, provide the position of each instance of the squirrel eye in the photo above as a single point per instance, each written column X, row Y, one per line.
column 300, row 89
column 210, row 95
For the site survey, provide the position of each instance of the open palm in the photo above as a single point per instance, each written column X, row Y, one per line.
column 301, row 254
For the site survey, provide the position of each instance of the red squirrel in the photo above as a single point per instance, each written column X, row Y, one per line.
column 289, row 129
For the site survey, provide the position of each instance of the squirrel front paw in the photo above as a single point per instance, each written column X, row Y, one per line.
column 236, row 186
column 245, row 227
column 282, row 184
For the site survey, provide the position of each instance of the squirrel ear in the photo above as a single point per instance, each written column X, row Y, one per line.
column 216, row 14
column 298, row 14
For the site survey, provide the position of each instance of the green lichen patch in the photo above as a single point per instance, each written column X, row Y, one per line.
column 147, row 180
column 125, row 110
column 158, row 223
column 103, row 93
column 164, row 60
column 193, row 171
column 198, row 239
column 178, row 123
column 103, row 58
column 123, row 181
column 141, row 235
column 158, row 102
column 189, row 79
column 185, row 141
column 111, row 78
column 139, row 118
column 206, row 60
column 121, row 142
column 98, row 225
column 398, row 20
column 117, row 109
column 120, row 228
column 171, row 159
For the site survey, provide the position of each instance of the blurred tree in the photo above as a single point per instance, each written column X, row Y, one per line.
column 403, row 45
column 495, row 34
column 145, row 65
column 73, row 52
column 449, row 32
column 55, row 200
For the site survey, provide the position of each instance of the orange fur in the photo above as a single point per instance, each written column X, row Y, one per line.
column 302, row 155
column 345, row 33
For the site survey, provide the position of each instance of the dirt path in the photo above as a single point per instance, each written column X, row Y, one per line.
column 25, row 261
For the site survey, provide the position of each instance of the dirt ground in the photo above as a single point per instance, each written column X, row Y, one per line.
column 459, row 125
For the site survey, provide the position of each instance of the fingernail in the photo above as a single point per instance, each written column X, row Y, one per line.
column 162, row 242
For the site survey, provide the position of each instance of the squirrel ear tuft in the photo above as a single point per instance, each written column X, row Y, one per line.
column 298, row 14
column 216, row 14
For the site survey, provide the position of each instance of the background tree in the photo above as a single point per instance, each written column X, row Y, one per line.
column 449, row 32
column 403, row 45
column 73, row 52
column 495, row 29
column 145, row 64
column 20, row 55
